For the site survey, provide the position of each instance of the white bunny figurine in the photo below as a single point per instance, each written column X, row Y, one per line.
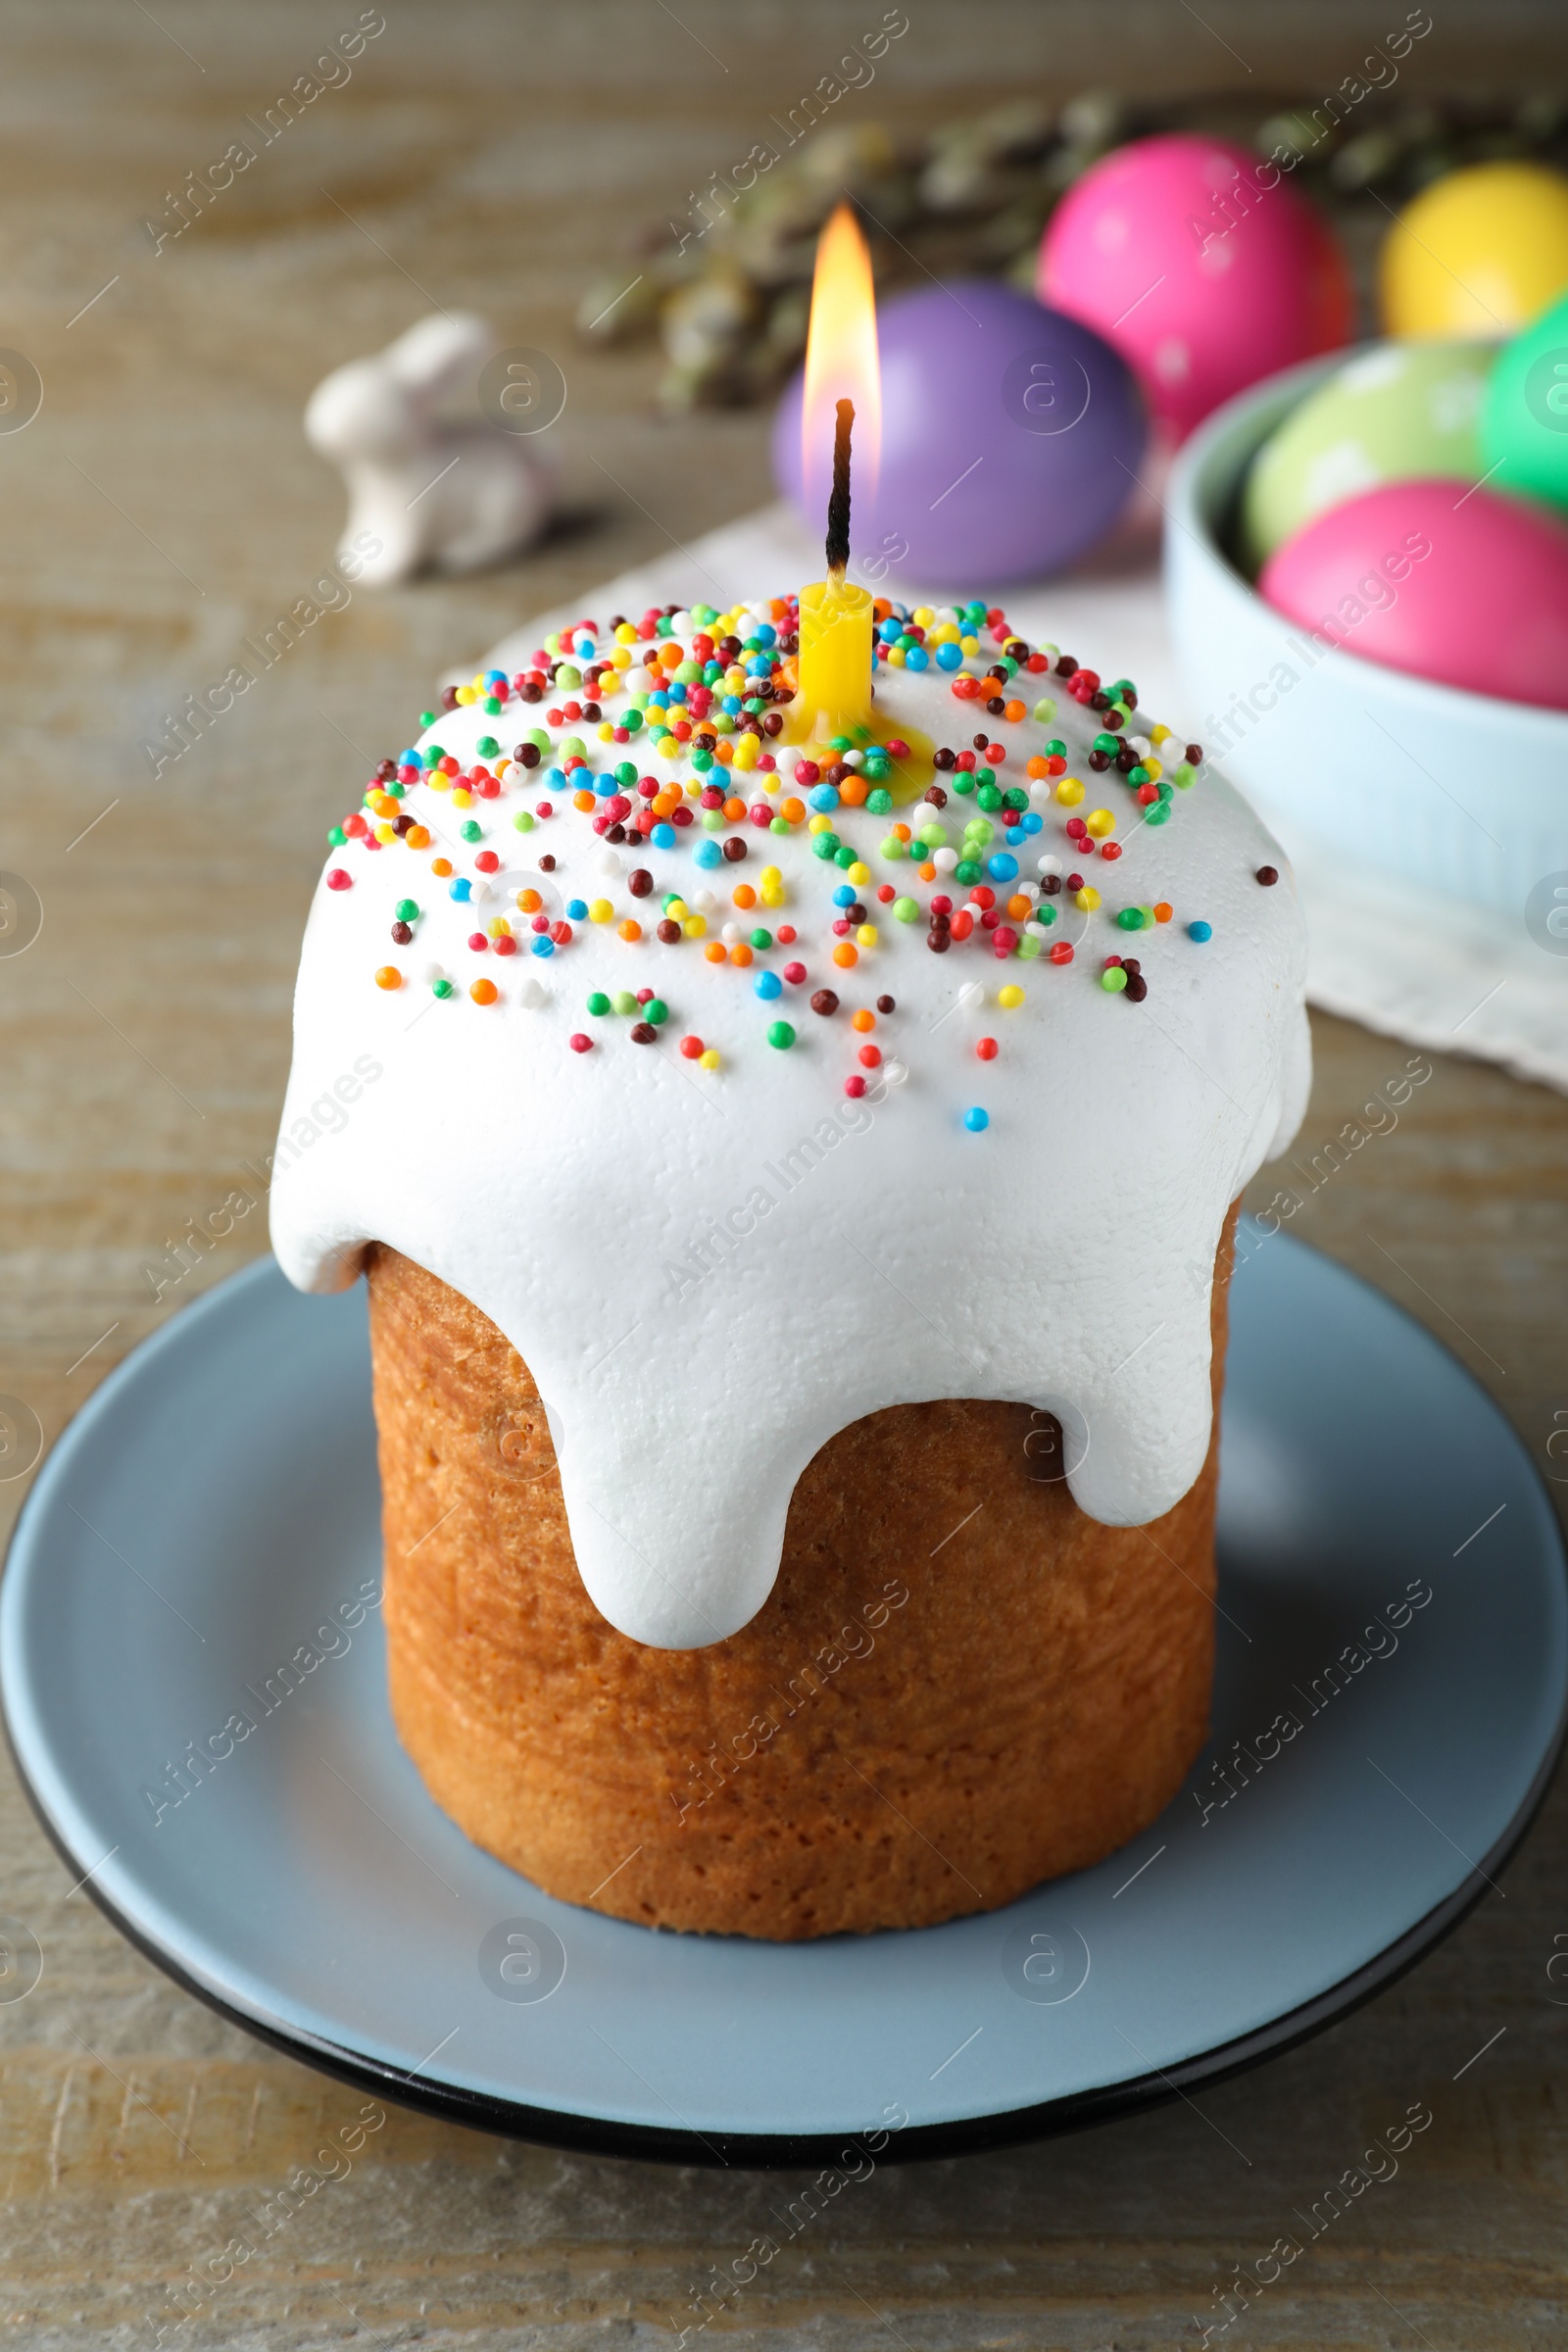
column 434, row 493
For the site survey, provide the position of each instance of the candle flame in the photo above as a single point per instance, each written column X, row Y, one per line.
column 841, row 360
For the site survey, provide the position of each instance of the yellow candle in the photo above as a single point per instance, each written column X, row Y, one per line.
column 834, row 692
column 833, row 710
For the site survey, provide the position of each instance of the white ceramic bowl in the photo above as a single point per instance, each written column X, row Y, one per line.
column 1455, row 792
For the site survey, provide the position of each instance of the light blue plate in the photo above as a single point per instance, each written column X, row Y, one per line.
column 216, row 1501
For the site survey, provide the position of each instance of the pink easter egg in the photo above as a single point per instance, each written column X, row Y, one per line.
column 1468, row 588
column 1201, row 265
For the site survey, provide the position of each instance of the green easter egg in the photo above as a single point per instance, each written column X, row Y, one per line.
column 1524, row 419
column 1394, row 413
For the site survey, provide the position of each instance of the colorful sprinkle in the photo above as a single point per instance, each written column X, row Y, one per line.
column 704, row 683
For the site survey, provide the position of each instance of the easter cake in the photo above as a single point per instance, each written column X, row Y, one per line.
column 796, row 1194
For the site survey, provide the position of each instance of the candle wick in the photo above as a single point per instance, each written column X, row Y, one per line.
column 837, row 505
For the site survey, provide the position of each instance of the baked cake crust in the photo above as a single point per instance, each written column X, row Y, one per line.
column 961, row 1685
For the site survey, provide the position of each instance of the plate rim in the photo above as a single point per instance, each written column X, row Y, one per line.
column 563, row 2127
column 779, row 2152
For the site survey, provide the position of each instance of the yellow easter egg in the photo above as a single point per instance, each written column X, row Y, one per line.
column 1479, row 253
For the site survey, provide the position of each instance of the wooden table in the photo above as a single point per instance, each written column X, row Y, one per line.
column 162, row 507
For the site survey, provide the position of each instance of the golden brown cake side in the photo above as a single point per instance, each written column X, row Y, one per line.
column 961, row 1685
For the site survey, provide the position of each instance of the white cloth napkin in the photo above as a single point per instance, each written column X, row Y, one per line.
column 1448, row 977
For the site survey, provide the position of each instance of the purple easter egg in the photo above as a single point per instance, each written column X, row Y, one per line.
column 1010, row 436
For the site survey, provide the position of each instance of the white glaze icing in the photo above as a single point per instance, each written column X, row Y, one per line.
column 708, row 1274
